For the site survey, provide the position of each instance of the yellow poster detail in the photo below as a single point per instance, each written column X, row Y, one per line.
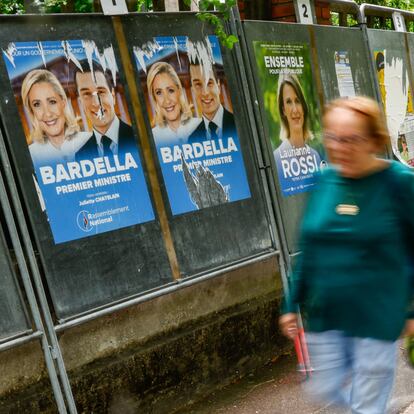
column 379, row 66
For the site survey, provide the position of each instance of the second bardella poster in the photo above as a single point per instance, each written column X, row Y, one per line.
column 193, row 125
column 292, row 113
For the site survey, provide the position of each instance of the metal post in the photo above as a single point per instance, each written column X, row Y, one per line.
column 345, row 7
column 172, row 6
column 268, row 181
column 53, row 349
column 305, row 11
column 250, row 95
column 382, row 11
column 144, row 138
column 194, row 5
column 47, row 350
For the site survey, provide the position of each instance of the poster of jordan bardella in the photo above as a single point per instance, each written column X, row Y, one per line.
column 193, row 126
column 88, row 171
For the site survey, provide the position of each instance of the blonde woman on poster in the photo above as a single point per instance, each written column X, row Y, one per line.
column 174, row 120
column 294, row 156
column 55, row 133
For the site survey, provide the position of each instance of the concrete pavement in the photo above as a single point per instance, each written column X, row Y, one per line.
column 276, row 389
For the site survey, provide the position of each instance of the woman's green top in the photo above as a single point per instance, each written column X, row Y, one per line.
column 354, row 273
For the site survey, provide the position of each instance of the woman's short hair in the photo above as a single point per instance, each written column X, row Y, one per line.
column 292, row 81
column 185, row 110
column 42, row 75
column 369, row 109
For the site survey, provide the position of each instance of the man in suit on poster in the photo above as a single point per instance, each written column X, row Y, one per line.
column 110, row 136
column 217, row 122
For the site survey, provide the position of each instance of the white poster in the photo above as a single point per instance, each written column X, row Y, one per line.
column 344, row 75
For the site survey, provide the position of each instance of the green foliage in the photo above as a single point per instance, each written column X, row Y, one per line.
column 397, row 4
column 11, row 7
column 378, row 23
column 144, row 5
column 83, row 6
column 50, row 6
column 224, row 9
column 205, row 6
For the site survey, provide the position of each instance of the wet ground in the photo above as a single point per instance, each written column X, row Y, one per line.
column 276, row 389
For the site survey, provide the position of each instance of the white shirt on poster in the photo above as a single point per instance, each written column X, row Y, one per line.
column 218, row 120
column 167, row 136
column 112, row 133
column 46, row 153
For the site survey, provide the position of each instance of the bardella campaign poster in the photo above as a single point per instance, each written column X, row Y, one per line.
column 88, row 172
column 395, row 92
column 192, row 121
column 292, row 113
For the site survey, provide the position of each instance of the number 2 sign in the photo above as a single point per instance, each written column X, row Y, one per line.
column 399, row 22
column 114, row 6
column 304, row 11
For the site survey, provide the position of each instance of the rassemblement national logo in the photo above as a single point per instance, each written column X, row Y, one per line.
column 83, row 221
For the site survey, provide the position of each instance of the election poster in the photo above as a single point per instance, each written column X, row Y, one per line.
column 344, row 74
column 193, row 127
column 73, row 110
column 396, row 98
column 292, row 113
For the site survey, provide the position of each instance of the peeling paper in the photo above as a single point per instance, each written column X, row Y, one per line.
column 396, row 86
column 39, row 194
column 111, row 62
column 67, row 50
column 177, row 52
column 89, row 47
column 9, row 53
column 106, row 60
column 101, row 58
column 204, row 189
column 40, row 47
column 203, row 53
column 147, row 50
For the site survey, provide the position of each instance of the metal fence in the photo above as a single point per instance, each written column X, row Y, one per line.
column 221, row 206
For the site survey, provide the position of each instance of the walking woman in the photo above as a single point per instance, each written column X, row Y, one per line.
column 353, row 277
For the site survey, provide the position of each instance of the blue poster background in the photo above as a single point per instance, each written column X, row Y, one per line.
column 88, row 196
column 201, row 155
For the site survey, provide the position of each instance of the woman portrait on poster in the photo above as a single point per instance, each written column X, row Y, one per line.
column 294, row 115
column 55, row 133
column 173, row 119
column 405, row 156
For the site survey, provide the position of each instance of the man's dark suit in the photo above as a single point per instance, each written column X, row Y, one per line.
column 228, row 128
column 126, row 140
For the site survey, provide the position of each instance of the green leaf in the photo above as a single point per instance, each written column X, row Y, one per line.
column 217, row 20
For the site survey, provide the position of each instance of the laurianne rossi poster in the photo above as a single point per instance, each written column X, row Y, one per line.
column 292, row 113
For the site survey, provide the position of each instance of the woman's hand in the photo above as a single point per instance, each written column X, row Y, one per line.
column 289, row 325
column 408, row 328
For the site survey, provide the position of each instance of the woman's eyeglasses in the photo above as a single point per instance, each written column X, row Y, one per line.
column 351, row 140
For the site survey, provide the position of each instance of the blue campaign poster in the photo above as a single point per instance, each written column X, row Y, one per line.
column 88, row 170
column 192, row 120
